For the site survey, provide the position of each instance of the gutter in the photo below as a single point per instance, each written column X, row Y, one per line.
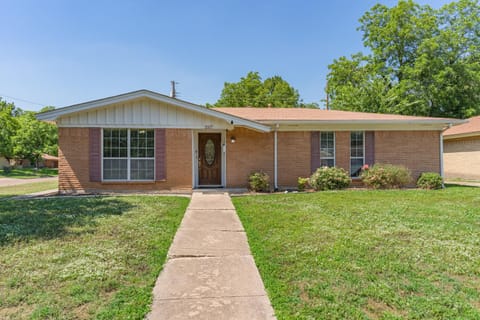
column 363, row 121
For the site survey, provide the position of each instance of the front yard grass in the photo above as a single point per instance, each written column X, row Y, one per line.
column 83, row 257
column 402, row 254
column 21, row 189
column 28, row 173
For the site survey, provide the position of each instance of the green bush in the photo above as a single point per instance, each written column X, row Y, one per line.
column 386, row 176
column 259, row 181
column 7, row 170
column 430, row 180
column 302, row 183
column 329, row 178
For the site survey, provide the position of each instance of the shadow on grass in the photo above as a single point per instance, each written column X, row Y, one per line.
column 454, row 185
column 22, row 220
column 30, row 173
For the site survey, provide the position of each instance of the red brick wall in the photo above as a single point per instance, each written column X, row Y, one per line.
column 342, row 150
column 252, row 151
column 74, row 163
column 293, row 157
column 417, row 150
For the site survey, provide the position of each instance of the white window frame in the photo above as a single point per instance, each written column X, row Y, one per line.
column 356, row 158
column 130, row 158
column 334, row 148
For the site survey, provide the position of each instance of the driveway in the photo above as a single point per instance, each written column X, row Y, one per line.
column 8, row 182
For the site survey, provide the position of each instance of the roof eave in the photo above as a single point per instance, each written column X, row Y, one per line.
column 55, row 114
column 461, row 135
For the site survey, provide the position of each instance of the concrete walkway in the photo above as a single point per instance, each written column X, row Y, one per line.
column 210, row 272
column 8, row 182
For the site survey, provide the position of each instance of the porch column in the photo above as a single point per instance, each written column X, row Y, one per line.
column 275, row 158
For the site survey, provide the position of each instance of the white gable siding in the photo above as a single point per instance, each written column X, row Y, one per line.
column 142, row 113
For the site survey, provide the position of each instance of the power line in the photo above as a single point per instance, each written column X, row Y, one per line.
column 23, row 100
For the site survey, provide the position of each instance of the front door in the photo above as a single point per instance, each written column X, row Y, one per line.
column 209, row 159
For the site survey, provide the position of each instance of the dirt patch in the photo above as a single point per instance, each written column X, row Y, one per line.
column 303, row 292
column 375, row 309
column 82, row 312
column 17, row 312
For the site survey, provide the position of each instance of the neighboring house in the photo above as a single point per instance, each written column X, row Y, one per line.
column 143, row 140
column 48, row 161
column 461, row 150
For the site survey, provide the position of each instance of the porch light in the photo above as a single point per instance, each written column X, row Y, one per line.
column 232, row 139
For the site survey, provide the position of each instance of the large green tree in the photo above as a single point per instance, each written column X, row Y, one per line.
column 34, row 138
column 422, row 62
column 8, row 127
column 251, row 91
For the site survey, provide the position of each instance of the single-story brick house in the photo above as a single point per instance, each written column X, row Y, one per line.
column 144, row 140
column 461, row 150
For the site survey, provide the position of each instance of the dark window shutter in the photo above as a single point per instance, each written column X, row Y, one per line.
column 95, row 143
column 369, row 147
column 160, row 155
column 315, row 150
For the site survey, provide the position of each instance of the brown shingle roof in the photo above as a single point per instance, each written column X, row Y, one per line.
column 299, row 114
column 471, row 127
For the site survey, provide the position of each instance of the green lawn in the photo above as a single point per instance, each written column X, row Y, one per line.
column 404, row 254
column 83, row 257
column 28, row 173
column 10, row 191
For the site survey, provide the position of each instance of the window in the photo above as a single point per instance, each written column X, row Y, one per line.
column 327, row 149
column 128, row 154
column 357, row 152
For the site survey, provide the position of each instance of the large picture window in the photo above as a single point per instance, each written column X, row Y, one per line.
column 327, row 149
column 357, row 152
column 128, row 154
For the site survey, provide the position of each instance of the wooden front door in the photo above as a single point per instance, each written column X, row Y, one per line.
column 209, row 159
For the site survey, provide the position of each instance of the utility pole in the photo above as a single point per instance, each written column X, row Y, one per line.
column 173, row 92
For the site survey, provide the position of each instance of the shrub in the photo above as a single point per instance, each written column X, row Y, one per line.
column 430, row 180
column 259, row 181
column 386, row 176
column 302, row 183
column 7, row 170
column 329, row 178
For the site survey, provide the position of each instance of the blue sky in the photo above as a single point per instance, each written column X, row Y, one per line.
column 65, row 52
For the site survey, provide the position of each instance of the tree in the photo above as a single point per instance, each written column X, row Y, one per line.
column 422, row 62
column 8, row 127
column 251, row 91
column 34, row 138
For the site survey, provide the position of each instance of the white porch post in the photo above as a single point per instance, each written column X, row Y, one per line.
column 275, row 171
column 441, row 158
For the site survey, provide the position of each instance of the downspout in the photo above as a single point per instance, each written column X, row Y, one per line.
column 441, row 156
column 275, row 159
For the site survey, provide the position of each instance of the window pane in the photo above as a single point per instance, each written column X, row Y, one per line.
column 355, row 167
column 115, row 169
column 327, row 148
column 356, row 144
column 327, row 162
column 142, row 144
column 115, row 143
column 141, row 169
